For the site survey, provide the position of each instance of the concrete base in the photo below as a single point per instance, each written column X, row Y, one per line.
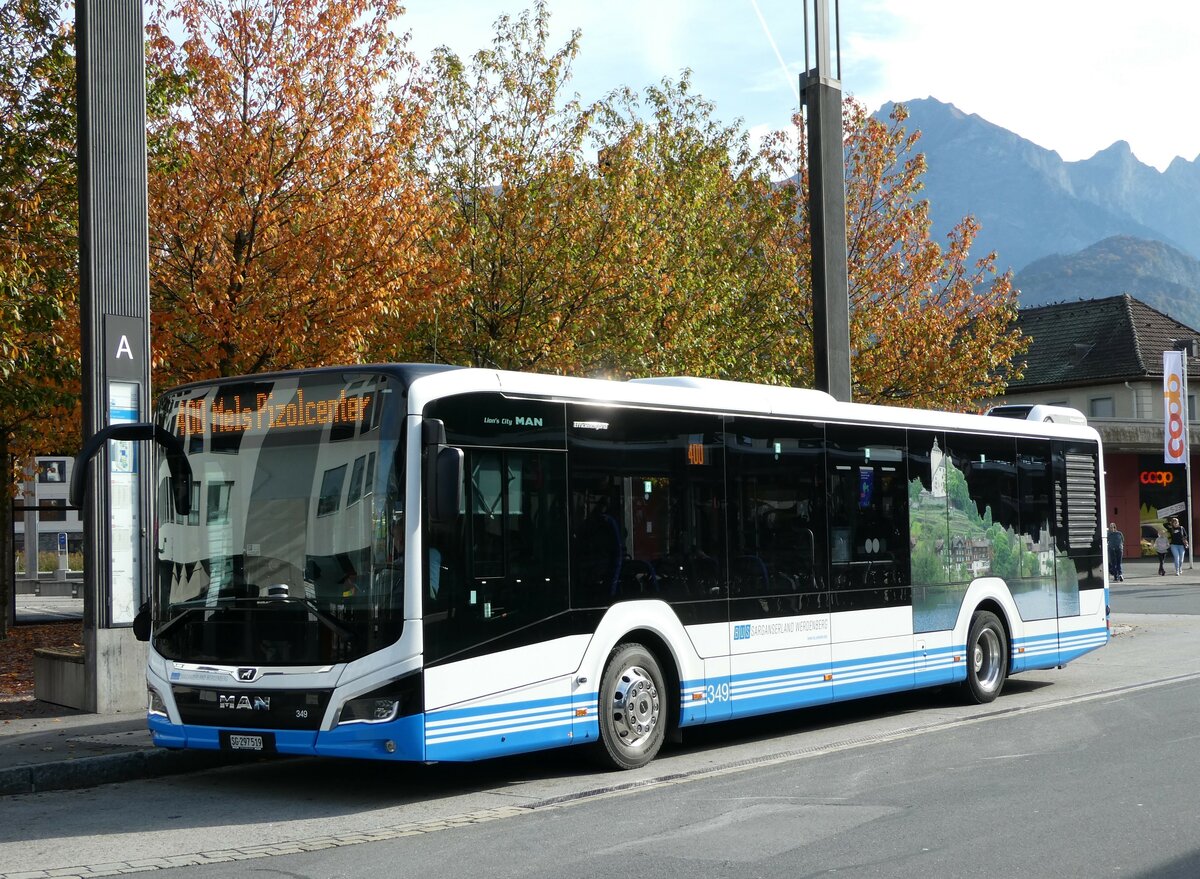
column 58, row 677
column 116, row 669
column 71, row 585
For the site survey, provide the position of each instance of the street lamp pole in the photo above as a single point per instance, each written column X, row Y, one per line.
column 1187, row 347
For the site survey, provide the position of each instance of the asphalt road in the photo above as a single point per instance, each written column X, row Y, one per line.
column 1083, row 771
column 1051, row 793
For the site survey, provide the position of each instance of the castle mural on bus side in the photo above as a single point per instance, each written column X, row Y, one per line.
column 964, row 524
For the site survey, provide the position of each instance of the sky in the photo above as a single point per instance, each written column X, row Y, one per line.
column 1074, row 76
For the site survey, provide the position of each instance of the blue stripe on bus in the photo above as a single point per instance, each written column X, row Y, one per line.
column 508, row 728
column 513, row 727
column 1054, row 649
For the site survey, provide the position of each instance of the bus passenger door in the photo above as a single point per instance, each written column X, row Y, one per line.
column 496, row 621
column 871, row 623
column 779, row 634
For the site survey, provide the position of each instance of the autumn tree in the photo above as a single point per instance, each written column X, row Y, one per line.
column 611, row 238
column 39, row 329
column 539, row 255
column 287, row 225
column 929, row 327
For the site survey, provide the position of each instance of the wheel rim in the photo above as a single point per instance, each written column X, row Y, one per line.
column 987, row 659
column 635, row 707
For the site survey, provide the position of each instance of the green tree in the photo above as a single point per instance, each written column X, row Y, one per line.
column 39, row 362
column 539, row 253
column 645, row 259
column 700, row 292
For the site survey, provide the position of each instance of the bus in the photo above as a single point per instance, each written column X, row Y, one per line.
column 431, row 563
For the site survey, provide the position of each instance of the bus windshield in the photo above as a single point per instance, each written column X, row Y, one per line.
column 290, row 554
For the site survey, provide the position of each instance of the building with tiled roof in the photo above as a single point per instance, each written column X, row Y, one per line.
column 1104, row 357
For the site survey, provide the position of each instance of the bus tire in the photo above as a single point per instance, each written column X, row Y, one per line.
column 987, row 657
column 632, row 708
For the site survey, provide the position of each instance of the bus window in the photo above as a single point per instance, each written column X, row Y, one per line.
column 868, row 517
column 648, row 509
column 981, row 485
column 776, row 517
column 503, row 567
column 935, row 601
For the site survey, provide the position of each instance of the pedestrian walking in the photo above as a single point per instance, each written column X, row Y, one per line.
column 1116, row 549
column 1162, row 546
column 1179, row 545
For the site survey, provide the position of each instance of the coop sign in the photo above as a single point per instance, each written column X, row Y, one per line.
column 1173, row 407
column 1157, row 477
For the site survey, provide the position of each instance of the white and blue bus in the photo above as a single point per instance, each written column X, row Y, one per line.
column 428, row 563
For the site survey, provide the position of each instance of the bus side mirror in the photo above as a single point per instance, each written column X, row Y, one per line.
column 177, row 462
column 447, row 482
column 443, row 473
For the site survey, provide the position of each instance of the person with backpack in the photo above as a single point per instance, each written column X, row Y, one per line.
column 1179, row 545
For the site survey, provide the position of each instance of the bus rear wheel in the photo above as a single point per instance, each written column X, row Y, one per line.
column 987, row 657
column 633, row 708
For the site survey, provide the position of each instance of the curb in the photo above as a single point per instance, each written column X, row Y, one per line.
column 107, row 769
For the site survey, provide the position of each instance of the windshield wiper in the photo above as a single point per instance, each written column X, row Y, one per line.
column 190, row 607
column 329, row 622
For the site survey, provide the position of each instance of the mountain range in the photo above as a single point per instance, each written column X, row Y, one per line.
column 1069, row 230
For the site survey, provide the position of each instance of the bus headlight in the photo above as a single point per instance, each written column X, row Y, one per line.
column 397, row 698
column 368, row 710
column 154, row 703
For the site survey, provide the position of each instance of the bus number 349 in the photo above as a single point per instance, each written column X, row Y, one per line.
column 717, row 693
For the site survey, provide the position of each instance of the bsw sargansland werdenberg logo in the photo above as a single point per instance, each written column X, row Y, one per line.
column 258, row 703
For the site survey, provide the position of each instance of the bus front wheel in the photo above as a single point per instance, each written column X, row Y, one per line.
column 987, row 657
column 633, row 708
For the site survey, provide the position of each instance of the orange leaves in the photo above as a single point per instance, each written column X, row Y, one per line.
column 288, row 225
column 39, row 323
column 928, row 328
column 315, row 197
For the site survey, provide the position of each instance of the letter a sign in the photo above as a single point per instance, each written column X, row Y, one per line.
column 1174, row 408
column 125, row 347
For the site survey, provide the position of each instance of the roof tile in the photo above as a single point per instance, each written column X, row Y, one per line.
column 1093, row 341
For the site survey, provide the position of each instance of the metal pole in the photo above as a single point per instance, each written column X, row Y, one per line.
column 1187, row 459
column 822, row 97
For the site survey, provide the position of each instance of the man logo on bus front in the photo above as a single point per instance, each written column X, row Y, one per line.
column 247, row 674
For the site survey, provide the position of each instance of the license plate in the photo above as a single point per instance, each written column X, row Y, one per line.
column 262, row 743
column 245, row 743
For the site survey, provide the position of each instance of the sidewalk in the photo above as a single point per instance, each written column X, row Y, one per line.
column 66, row 749
column 62, row 748
column 50, row 747
column 1147, row 569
